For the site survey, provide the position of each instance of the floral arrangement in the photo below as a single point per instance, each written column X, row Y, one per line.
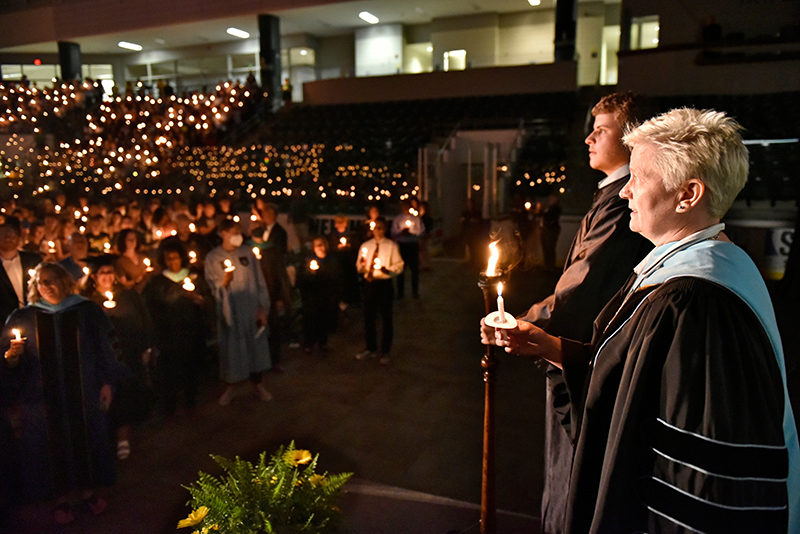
column 284, row 495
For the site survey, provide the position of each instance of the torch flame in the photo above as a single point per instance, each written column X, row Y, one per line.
column 491, row 268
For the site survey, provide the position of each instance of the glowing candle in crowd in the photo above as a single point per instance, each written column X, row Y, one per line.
column 77, row 214
column 158, row 234
column 313, row 265
column 109, row 303
column 364, row 252
column 17, row 334
column 147, row 265
column 106, row 247
column 192, row 256
column 85, row 270
column 491, row 268
column 377, row 264
column 229, row 267
column 372, row 225
column 235, row 218
column 254, row 217
column 58, row 209
column 51, row 247
column 342, row 241
column 187, row 284
column 31, row 272
column 257, row 253
column 192, row 227
column 500, row 304
column 408, row 223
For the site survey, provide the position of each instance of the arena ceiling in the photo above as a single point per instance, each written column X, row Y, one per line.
column 333, row 18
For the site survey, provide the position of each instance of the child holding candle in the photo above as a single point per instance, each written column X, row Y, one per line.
column 318, row 280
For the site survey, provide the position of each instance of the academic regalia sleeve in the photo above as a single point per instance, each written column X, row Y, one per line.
column 707, row 395
column 568, row 384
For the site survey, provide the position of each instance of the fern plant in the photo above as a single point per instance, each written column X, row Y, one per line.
column 282, row 495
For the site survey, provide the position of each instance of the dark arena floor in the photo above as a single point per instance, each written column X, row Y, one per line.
column 411, row 432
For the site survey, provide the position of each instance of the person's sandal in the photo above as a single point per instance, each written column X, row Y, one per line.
column 63, row 514
column 95, row 504
column 123, row 449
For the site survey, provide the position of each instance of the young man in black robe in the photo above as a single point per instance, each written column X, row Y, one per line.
column 602, row 255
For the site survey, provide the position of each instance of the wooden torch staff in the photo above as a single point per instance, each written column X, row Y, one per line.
column 489, row 365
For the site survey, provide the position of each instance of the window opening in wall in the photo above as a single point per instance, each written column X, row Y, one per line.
column 644, row 32
column 455, row 60
column 609, row 63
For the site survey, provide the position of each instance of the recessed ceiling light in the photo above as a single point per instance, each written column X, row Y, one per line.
column 129, row 46
column 366, row 16
column 236, row 32
column 303, row 52
column 535, row 3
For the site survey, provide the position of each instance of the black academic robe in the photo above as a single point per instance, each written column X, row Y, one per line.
column 677, row 409
column 603, row 254
column 51, row 399
column 8, row 297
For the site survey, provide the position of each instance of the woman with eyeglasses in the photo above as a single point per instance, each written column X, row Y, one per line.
column 57, row 379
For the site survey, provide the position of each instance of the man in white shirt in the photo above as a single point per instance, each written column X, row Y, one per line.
column 378, row 262
column 16, row 264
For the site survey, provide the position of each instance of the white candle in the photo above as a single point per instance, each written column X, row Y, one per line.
column 192, row 256
column 257, row 253
column 500, row 304
column 313, row 265
column 364, row 252
column 51, row 247
column 16, row 332
column 187, row 284
column 229, row 267
column 192, row 227
column 147, row 265
column 342, row 241
column 109, row 303
column 377, row 264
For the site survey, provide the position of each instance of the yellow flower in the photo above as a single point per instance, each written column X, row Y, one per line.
column 297, row 457
column 194, row 518
column 315, row 480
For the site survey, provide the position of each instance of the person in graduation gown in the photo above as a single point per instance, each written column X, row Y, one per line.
column 133, row 333
column 182, row 313
column 602, row 254
column 56, row 386
column 679, row 406
column 318, row 279
column 238, row 285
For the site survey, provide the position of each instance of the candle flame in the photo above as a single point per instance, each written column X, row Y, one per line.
column 313, row 265
column 187, row 284
column 192, row 256
column 343, row 240
column 499, row 289
column 491, row 268
column 16, row 332
column 229, row 266
column 110, row 302
column 257, row 253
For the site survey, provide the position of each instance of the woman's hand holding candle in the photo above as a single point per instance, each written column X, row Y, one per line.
column 17, row 347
